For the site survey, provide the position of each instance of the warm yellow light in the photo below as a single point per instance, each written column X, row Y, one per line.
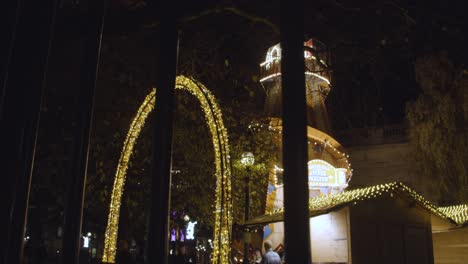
column 223, row 204
column 457, row 213
column 322, row 173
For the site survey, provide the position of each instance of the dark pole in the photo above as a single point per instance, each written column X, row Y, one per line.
column 162, row 136
column 22, row 88
column 296, row 193
column 246, row 214
column 76, row 183
column 9, row 15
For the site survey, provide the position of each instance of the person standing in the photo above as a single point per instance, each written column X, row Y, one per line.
column 270, row 257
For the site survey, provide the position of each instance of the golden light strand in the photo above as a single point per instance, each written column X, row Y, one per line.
column 223, row 204
column 457, row 213
column 110, row 238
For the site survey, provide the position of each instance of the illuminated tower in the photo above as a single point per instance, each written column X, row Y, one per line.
column 328, row 166
column 317, row 78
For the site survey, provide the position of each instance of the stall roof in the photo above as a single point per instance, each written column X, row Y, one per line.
column 457, row 214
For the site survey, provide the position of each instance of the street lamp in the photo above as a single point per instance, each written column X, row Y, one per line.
column 247, row 160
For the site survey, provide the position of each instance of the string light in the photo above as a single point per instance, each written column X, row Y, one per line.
column 457, row 213
column 223, row 203
column 257, row 127
column 306, row 73
column 274, row 57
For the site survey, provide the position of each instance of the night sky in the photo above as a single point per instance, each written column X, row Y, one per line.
column 374, row 45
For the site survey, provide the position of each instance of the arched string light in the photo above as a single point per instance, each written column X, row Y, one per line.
column 219, row 138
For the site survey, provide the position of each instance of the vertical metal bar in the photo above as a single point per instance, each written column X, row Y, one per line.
column 158, row 240
column 246, row 214
column 76, row 186
column 9, row 18
column 296, row 193
column 19, row 120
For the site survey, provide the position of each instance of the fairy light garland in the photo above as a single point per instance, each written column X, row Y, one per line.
column 257, row 127
column 459, row 213
column 223, row 203
column 273, row 75
column 456, row 213
column 110, row 238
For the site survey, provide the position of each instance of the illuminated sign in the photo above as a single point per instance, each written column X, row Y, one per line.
column 191, row 230
column 323, row 174
column 86, row 242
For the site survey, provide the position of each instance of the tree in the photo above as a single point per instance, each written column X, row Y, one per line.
column 222, row 47
column 209, row 56
column 438, row 127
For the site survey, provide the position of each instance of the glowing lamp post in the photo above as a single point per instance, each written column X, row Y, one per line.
column 247, row 160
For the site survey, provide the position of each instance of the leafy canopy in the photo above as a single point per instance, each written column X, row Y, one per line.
column 438, row 127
